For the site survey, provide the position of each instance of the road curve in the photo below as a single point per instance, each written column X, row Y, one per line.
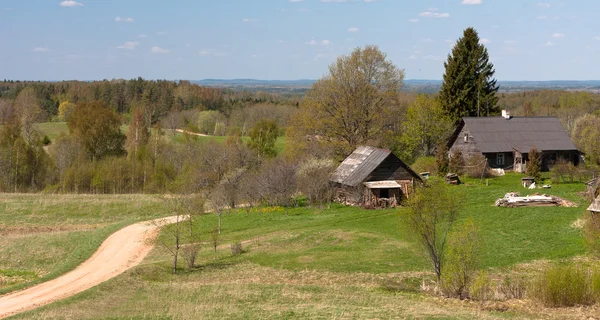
column 119, row 252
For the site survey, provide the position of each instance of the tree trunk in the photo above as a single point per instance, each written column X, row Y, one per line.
column 219, row 223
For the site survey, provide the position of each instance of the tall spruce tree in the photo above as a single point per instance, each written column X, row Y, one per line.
column 469, row 89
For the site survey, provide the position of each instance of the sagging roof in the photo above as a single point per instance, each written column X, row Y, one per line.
column 595, row 206
column 359, row 165
column 499, row 134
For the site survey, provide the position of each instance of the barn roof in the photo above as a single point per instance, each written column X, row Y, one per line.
column 357, row 167
column 499, row 134
column 595, row 206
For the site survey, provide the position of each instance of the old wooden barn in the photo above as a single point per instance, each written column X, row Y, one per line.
column 506, row 141
column 374, row 178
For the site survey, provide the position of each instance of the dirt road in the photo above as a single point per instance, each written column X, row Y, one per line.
column 119, row 252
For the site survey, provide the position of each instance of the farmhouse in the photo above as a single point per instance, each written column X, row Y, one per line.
column 373, row 177
column 506, row 141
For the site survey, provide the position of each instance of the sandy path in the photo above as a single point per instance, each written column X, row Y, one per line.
column 192, row 133
column 119, row 252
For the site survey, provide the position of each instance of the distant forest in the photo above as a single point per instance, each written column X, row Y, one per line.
column 140, row 118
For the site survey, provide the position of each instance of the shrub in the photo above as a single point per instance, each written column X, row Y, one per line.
column 513, row 286
column 425, row 164
column 236, row 248
column 563, row 171
column 461, row 260
column 476, row 166
column 564, row 285
column 481, row 288
column 456, row 163
column 190, row 252
column 441, row 159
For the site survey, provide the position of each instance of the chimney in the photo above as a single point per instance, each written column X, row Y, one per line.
column 505, row 114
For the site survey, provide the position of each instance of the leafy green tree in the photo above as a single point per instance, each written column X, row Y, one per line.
column 354, row 104
column 469, row 89
column 65, row 109
column 98, row 128
column 586, row 136
column 262, row 138
column 430, row 215
column 425, row 126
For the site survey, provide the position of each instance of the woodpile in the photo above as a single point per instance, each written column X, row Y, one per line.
column 512, row 200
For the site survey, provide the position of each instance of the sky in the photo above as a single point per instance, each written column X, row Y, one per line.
column 289, row 39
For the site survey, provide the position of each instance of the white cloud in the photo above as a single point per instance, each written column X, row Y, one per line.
column 325, row 42
column 485, row 40
column 333, row 0
column 161, row 33
column 427, row 40
column 129, row 45
column 429, row 14
column 70, row 3
column 40, row 49
column 432, row 57
column 544, row 4
column 449, row 41
column 510, row 42
column 413, row 20
column 249, row 20
column 597, row 38
column 119, row 19
column 549, row 44
column 472, row 1
column 353, row 29
column 370, row 0
column 413, row 57
column 142, row 36
column 159, row 50
column 558, row 35
column 311, row 42
column 296, row 0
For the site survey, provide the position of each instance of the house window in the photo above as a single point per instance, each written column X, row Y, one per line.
column 500, row 159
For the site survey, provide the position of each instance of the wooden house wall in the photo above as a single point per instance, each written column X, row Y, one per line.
column 466, row 148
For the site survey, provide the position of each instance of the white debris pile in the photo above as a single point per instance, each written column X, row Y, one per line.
column 512, row 200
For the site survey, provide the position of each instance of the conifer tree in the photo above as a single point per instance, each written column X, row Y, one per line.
column 469, row 89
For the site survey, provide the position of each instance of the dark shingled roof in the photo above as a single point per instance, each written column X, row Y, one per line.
column 357, row 167
column 498, row 134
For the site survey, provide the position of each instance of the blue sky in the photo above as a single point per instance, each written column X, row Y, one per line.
column 289, row 39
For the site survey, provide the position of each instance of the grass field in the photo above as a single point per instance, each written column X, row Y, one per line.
column 334, row 263
column 54, row 129
column 43, row 236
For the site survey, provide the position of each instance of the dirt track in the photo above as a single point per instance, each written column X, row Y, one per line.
column 119, row 252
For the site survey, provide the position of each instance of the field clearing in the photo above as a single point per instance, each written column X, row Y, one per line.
column 334, row 263
column 54, row 129
column 44, row 235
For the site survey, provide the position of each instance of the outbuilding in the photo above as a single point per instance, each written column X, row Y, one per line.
column 373, row 178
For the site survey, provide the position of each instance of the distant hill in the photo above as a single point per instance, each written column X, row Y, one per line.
column 414, row 85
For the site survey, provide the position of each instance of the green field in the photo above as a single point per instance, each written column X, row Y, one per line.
column 54, row 129
column 332, row 263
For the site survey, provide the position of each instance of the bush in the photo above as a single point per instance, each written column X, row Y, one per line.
column 563, row 171
column 477, row 166
column 457, row 162
column 481, row 289
column 514, row 286
column 461, row 261
column 425, row 164
column 190, row 252
column 564, row 285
